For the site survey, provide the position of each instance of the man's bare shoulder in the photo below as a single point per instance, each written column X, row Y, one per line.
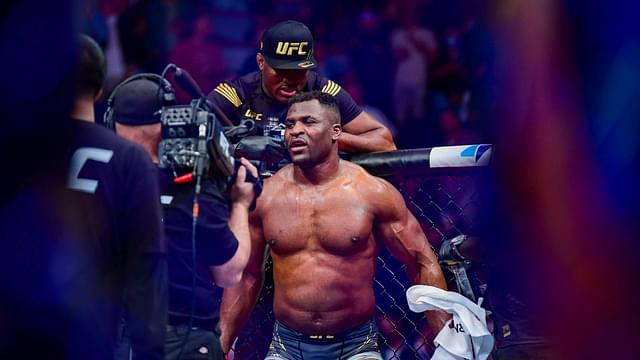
column 281, row 177
column 275, row 184
column 382, row 197
column 370, row 184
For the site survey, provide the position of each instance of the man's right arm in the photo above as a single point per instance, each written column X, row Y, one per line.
column 238, row 302
column 242, row 194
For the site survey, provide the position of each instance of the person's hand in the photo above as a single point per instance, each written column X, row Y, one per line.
column 243, row 192
column 260, row 148
column 225, row 343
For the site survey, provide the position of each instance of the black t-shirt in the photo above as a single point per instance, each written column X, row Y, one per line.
column 116, row 178
column 215, row 245
column 244, row 98
column 83, row 239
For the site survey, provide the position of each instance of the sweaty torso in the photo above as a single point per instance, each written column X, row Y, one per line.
column 323, row 251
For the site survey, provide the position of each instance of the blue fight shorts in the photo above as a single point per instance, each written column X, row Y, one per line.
column 358, row 343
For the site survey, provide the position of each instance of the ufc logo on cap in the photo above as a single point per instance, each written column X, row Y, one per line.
column 287, row 48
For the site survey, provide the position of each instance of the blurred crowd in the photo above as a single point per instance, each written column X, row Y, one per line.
column 421, row 67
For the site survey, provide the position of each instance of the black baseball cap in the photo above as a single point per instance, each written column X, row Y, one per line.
column 288, row 45
column 138, row 102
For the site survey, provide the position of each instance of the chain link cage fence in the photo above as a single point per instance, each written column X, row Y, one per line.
column 447, row 203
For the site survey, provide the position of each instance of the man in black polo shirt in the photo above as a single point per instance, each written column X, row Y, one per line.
column 285, row 60
column 85, row 247
column 222, row 234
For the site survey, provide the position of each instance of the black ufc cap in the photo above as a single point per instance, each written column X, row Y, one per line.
column 288, row 45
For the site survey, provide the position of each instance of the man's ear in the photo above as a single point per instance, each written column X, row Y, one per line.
column 260, row 61
column 336, row 131
column 98, row 95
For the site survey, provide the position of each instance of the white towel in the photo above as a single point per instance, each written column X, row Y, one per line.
column 469, row 338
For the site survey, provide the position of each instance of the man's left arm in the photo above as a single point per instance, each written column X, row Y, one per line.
column 401, row 232
column 365, row 134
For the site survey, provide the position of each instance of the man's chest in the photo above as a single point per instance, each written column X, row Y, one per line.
column 337, row 222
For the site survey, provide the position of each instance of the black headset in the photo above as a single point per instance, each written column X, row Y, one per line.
column 166, row 95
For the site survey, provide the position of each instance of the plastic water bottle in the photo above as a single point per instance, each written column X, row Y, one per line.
column 273, row 129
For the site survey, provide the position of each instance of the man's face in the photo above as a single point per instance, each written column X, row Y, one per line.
column 281, row 84
column 310, row 133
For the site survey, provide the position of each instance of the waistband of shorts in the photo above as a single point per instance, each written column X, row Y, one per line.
column 357, row 331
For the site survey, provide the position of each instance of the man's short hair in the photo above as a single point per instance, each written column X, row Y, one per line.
column 327, row 101
column 90, row 68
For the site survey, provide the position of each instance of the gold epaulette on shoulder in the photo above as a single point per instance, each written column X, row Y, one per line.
column 331, row 88
column 229, row 93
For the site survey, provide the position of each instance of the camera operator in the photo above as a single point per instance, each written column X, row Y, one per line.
column 222, row 243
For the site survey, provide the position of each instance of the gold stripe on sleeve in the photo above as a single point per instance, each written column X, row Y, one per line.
column 229, row 93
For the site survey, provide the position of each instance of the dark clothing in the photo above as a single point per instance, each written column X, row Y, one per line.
column 516, row 321
column 524, row 352
column 244, row 98
column 292, row 345
column 518, row 312
column 215, row 245
column 84, row 248
column 202, row 344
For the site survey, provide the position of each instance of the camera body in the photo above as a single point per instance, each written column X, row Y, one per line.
column 193, row 140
